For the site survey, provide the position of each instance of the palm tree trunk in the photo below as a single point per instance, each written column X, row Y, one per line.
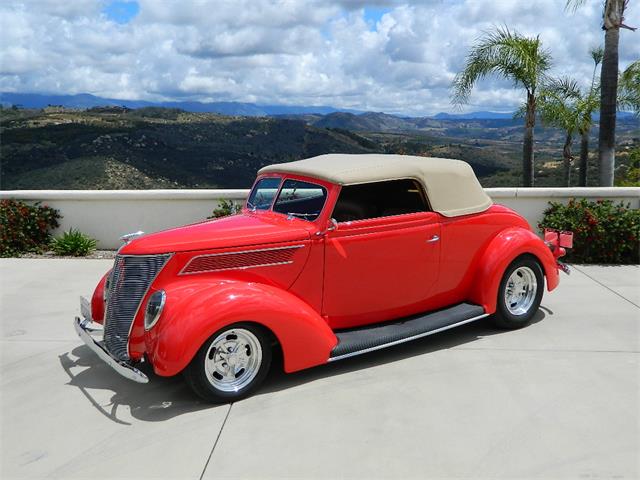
column 584, row 158
column 608, row 96
column 527, row 144
column 566, row 153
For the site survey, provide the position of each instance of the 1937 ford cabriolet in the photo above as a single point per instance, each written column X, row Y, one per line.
column 331, row 257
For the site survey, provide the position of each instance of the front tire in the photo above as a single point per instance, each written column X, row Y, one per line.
column 231, row 363
column 519, row 294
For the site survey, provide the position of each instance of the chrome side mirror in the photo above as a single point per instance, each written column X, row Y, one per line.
column 332, row 225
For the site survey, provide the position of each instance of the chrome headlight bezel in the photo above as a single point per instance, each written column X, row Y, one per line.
column 153, row 309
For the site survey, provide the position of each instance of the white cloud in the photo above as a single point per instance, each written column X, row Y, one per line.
column 286, row 52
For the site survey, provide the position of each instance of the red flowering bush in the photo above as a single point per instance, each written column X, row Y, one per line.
column 603, row 231
column 25, row 228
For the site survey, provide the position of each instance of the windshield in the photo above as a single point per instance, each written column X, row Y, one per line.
column 263, row 193
column 300, row 199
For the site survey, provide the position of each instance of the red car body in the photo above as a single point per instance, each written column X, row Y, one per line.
column 290, row 275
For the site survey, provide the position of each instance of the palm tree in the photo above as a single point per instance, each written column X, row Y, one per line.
column 587, row 105
column 613, row 18
column 517, row 58
column 629, row 88
column 558, row 106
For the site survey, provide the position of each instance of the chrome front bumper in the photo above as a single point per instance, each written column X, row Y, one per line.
column 85, row 326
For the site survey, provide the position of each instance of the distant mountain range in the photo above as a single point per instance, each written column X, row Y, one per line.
column 319, row 116
column 85, row 100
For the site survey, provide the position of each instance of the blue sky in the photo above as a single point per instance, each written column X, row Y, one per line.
column 374, row 14
column 382, row 55
column 121, row 11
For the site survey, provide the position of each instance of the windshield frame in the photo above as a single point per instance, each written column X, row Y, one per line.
column 326, row 186
column 249, row 206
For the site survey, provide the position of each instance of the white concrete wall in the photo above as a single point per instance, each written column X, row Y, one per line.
column 107, row 214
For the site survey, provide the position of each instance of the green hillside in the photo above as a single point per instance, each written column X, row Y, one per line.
column 118, row 148
column 157, row 148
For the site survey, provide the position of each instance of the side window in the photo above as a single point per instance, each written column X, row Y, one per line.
column 380, row 199
column 300, row 199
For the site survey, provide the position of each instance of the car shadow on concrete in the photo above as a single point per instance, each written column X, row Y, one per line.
column 164, row 398
column 160, row 399
column 278, row 380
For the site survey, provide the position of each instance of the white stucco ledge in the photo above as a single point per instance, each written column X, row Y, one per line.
column 574, row 192
column 240, row 193
column 108, row 214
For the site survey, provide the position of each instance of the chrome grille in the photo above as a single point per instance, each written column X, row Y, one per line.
column 130, row 279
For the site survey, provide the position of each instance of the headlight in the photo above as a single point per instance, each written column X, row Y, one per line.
column 154, row 309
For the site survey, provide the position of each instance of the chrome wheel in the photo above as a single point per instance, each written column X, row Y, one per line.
column 233, row 359
column 520, row 291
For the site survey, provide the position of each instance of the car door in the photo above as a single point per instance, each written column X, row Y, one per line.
column 383, row 263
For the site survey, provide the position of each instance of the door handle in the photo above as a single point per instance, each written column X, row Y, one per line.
column 433, row 239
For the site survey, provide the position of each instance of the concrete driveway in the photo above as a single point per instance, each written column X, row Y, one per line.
column 559, row 399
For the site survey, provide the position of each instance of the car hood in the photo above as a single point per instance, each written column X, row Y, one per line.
column 244, row 229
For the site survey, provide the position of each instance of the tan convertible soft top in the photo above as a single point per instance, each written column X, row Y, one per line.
column 451, row 185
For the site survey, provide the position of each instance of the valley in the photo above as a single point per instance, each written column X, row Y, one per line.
column 156, row 147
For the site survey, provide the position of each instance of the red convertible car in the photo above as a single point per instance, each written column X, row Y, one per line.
column 331, row 257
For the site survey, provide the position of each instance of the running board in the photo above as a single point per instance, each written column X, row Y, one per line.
column 367, row 339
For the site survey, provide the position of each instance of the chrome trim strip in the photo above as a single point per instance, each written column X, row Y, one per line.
column 123, row 368
column 182, row 272
column 237, row 268
column 408, row 339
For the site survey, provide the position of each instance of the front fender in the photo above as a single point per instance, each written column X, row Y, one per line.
column 501, row 251
column 97, row 300
column 194, row 310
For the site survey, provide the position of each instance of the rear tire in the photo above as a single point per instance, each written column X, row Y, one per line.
column 519, row 294
column 231, row 364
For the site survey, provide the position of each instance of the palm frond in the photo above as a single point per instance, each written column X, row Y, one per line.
column 563, row 87
column 597, row 53
column 629, row 88
column 586, row 105
column 574, row 5
column 505, row 53
column 631, row 74
column 558, row 104
column 521, row 112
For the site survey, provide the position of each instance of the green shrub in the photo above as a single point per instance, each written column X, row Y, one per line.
column 25, row 228
column 629, row 175
column 603, row 232
column 226, row 208
column 74, row 243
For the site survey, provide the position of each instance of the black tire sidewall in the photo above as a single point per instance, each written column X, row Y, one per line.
column 503, row 317
column 197, row 378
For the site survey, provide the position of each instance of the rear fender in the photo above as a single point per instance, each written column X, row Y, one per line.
column 195, row 310
column 501, row 251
